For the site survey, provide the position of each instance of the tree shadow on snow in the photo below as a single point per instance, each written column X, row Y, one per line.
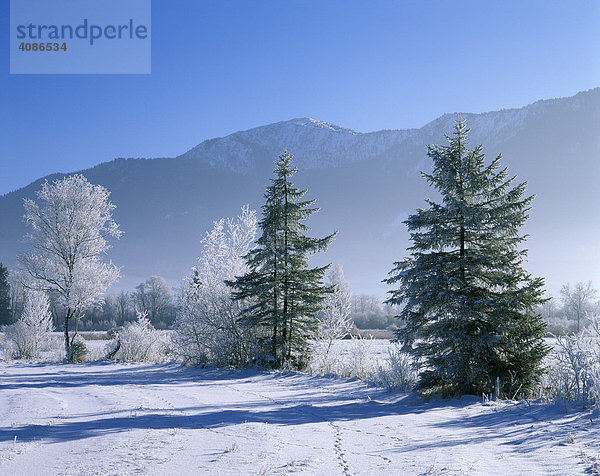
column 197, row 419
column 525, row 426
column 287, row 399
column 109, row 374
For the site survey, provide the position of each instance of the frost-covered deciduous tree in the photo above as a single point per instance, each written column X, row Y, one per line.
column 207, row 326
column 577, row 301
column 333, row 321
column 31, row 332
column 18, row 292
column 286, row 294
column 70, row 225
column 123, row 306
column 156, row 298
column 469, row 306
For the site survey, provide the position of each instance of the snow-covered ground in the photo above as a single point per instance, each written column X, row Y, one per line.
column 115, row 418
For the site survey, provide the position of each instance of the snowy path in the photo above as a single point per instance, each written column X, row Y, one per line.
column 106, row 418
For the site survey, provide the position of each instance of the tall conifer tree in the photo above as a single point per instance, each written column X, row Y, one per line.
column 286, row 293
column 469, row 308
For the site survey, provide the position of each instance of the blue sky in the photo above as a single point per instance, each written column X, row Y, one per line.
column 223, row 66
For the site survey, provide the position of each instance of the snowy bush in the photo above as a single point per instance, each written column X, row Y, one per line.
column 324, row 358
column 398, row 371
column 207, row 330
column 574, row 367
column 26, row 338
column 593, row 333
column 367, row 359
column 207, row 326
column 560, row 326
column 361, row 363
column 138, row 341
column 358, row 360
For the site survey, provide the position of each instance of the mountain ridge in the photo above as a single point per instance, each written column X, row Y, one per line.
column 365, row 182
column 431, row 128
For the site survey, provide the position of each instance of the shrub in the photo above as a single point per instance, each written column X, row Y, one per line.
column 26, row 338
column 574, row 367
column 138, row 341
column 398, row 372
column 207, row 328
column 358, row 362
column 78, row 351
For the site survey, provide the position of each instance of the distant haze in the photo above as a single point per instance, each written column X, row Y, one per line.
column 365, row 183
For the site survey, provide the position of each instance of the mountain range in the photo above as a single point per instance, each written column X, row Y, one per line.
column 365, row 183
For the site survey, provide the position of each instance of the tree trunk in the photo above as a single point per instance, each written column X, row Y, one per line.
column 275, row 309
column 289, row 348
column 67, row 341
column 286, row 283
column 274, row 341
column 462, row 250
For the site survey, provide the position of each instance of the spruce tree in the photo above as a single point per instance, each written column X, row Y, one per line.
column 5, row 311
column 469, row 308
column 285, row 292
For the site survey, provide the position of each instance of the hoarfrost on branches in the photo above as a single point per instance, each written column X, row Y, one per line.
column 577, row 301
column 574, row 370
column 138, row 341
column 27, row 337
column 207, row 327
column 398, row 371
column 333, row 321
column 70, row 225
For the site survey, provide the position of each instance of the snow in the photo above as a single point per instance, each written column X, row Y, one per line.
column 331, row 145
column 109, row 418
column 316, row 144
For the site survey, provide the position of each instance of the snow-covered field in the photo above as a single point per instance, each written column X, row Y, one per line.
column 116, row 418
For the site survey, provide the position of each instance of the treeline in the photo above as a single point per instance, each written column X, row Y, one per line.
column 367, row 312
column 568, row 313
column 573, row 310
column 153, row 296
